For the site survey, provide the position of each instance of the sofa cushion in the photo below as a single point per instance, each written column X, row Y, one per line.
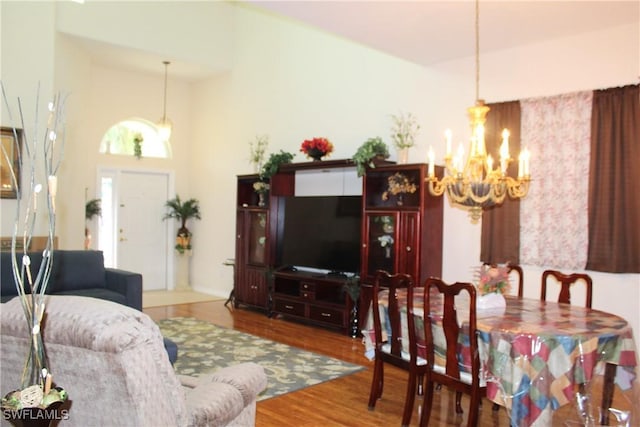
column 101, row 293
column 75, row 270
column 7, row 283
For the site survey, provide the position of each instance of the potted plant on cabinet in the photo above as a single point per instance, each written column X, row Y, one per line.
column 270, row 168
column 183, row 212
column 370, row 150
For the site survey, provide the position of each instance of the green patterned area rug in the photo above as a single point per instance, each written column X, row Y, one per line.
column 204, row 347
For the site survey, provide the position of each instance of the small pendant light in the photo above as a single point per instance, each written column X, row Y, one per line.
column 164, row 124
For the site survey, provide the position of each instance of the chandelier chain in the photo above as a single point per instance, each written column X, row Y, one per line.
column 477, row 50
column 164, row 111
column 475, row 184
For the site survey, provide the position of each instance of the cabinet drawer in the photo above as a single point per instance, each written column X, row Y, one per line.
column 288, row 307
column 307, row 295
column 326, row 315
column 307, row 286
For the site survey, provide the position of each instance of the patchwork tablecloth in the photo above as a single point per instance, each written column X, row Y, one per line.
column 534, row 353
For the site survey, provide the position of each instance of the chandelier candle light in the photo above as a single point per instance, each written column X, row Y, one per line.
column 475, row 184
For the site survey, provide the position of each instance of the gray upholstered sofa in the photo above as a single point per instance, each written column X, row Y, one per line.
column 78, row 273
column 111, row 361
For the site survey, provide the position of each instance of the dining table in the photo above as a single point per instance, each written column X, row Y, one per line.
column 535, row 356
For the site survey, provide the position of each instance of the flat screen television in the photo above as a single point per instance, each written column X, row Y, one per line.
column 323, row 233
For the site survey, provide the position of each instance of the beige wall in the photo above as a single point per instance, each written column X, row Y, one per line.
column 280, row 78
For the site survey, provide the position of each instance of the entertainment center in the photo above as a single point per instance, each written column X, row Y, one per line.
column 322, row 230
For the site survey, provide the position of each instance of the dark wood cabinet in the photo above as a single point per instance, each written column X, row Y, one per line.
column 401, row 232
column 317, row 298
column 251, row 257
column 256, row 235
column 402, row 223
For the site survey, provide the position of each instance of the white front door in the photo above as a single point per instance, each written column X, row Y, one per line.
column 140, row 236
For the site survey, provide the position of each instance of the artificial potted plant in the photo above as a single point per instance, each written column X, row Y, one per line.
column 372, row 149
column 183, row 212
column 270, row 168
column 91, row 209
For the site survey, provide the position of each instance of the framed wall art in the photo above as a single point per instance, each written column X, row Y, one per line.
column 10, row 156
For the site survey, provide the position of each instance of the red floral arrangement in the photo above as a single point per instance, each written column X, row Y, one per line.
column 316, row 147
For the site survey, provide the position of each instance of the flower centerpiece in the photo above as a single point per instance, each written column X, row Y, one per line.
column 397, row 185
column 492, row 282
column 316, row 148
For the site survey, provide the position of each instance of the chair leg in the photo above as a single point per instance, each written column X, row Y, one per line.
column 376, row 383
column 459, row 402
column 427, row 404
column 474, row 408
column 409, row 400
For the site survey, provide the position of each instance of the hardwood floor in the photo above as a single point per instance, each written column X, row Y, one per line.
column 341, row 402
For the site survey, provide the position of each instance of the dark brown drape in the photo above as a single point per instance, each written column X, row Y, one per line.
column 500, row 241
column 614, row 181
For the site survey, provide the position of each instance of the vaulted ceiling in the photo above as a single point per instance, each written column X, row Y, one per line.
column 424, row 32
column 427, row 31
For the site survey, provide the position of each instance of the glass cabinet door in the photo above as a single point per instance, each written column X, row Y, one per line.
column 381, row 241
column 257, row 238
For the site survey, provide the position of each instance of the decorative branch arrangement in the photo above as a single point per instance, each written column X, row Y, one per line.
column 40, row 151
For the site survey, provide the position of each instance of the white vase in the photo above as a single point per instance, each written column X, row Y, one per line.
column 493, row 301
column 403, row 156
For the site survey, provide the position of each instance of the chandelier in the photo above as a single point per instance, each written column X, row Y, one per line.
column 475, row 184
column 164, row 125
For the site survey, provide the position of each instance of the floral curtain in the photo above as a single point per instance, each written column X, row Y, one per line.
column 554, row 215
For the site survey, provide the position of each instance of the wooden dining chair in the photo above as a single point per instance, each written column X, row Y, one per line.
column 388, row 341
column 442, row 313
column 520, row 274
column 518, row 270
column 566, row 281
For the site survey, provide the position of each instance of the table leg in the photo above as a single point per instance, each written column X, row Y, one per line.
column 607, row 392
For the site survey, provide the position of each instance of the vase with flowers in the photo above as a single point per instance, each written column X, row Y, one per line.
column 261, row 188
column 403, row 134
column 492, row 282
column 258, row 151
column 316, row 148
column 398, row 184
column 386, row 242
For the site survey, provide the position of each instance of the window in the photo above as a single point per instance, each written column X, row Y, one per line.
column 135, row 137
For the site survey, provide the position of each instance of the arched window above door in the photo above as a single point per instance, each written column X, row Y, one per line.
column 135, row 137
